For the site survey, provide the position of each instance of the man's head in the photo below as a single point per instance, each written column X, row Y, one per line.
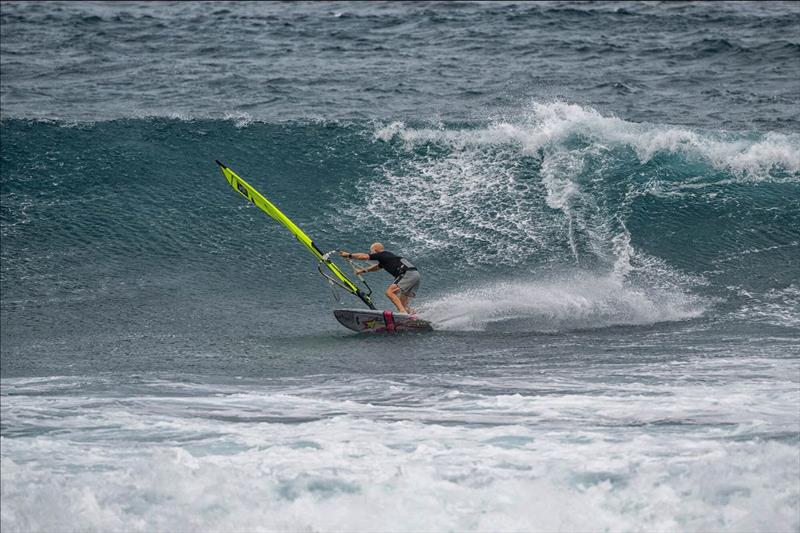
column 375, row 248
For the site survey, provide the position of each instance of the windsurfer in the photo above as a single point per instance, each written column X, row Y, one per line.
column 406, row 276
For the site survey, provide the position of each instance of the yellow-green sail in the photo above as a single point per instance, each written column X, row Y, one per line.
column 246, row 190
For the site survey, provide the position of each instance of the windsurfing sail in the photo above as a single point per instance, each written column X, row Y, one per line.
column 246, row 190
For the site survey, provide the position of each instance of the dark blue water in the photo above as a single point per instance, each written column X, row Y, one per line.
column 602, row 199
column 716, row 65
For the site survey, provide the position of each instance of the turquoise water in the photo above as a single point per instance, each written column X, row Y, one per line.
column 601, row 198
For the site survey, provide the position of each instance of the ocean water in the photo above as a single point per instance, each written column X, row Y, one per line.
column 603, row 200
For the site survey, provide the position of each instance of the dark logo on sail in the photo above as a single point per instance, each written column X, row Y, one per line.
column 242, row 190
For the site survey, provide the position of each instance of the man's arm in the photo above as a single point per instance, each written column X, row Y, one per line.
column 362, row 257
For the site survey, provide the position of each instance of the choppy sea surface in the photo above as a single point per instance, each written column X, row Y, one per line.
column 603, row 200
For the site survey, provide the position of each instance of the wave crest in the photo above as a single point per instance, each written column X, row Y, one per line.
column 547, row 125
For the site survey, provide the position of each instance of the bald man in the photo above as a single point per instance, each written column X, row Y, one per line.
column 406, row 277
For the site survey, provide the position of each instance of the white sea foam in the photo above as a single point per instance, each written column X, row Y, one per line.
column 682, row 454
column 240, row 119
column 780, row 307
column 579, row 301
column 482, row 196
column 471, row 199
column 544, row 125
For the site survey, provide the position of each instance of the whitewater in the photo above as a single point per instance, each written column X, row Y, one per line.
column 601, row 199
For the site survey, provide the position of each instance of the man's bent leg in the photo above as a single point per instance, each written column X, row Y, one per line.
column 405, row 298
column 391, row 293
column 409, row 283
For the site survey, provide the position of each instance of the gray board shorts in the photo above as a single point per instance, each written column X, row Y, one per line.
column 409, row 283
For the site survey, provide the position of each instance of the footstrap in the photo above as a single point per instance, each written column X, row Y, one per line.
column 388, row 319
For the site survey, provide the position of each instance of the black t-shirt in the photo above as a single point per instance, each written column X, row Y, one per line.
column 388, row 261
